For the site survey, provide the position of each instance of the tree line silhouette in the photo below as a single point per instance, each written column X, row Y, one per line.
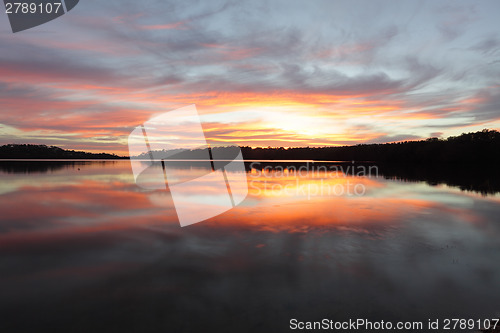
column 469, row 147
column 469, row 161
column 27, row 151
column 482, row 146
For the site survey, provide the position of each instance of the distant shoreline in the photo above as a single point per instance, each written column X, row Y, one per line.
column 478, row 147
column 170, row 160
column 61, row 159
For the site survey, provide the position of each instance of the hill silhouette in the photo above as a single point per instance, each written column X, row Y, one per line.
column 26, row 151
column 482, row 146
column 469, row 161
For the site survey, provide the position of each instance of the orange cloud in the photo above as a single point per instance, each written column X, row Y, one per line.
column 168, row 26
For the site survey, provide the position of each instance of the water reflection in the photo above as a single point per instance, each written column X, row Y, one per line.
column 25, row 167
column 82, row 248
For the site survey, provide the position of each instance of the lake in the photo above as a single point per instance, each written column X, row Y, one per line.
column 84, row 249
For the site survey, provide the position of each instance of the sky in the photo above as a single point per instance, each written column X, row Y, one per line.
column 261, row 73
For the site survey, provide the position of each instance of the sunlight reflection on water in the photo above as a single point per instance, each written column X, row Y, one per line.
column 110, row 256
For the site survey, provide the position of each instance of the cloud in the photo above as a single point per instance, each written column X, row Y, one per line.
column 486, row 104
column 455, row 18
column 395, row 138
column 488, row 45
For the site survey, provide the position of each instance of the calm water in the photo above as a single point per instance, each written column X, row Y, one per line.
column 83, row 249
